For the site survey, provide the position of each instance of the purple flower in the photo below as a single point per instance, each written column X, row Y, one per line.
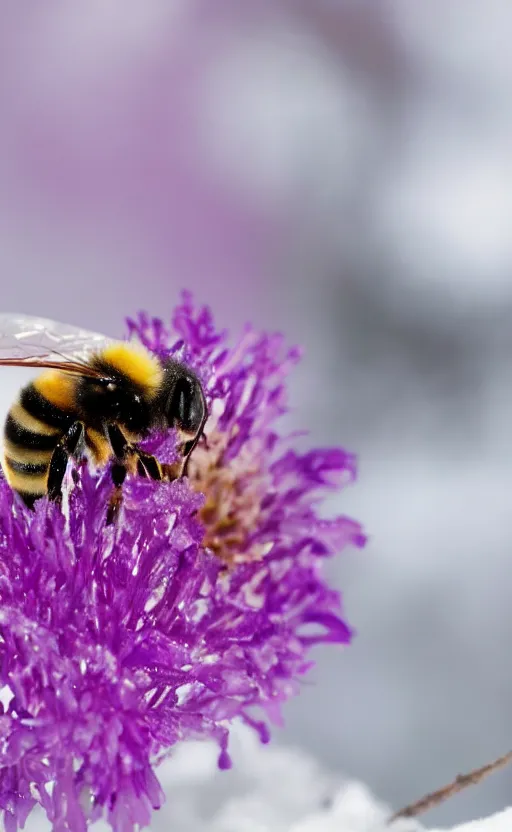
column 200, row 605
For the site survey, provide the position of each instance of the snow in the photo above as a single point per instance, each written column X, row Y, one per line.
column 271, row 789
column 497, row 823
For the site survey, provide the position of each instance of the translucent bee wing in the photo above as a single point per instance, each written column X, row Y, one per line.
column 31, row 341
column 41, row 336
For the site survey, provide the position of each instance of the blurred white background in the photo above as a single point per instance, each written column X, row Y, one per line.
column 343, row 172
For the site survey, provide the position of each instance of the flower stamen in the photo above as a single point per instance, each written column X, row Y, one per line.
column 233, row 496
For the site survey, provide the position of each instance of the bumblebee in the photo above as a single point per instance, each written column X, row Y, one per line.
column 94, row 396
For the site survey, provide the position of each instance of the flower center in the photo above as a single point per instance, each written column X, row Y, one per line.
column 234, row 490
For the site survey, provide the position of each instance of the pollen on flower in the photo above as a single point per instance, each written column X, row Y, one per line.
column 200, row 606
column 233, row 499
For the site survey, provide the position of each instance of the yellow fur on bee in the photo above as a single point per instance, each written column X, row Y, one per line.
column 135, row 362
column 57, row 387
column 28, row 422
column 100, row 448
column 19, row 454
column 25, row 482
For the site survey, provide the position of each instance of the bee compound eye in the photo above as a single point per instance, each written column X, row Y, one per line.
column 186, row 405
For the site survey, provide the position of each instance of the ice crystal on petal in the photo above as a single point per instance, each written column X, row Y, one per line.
column 199, row 606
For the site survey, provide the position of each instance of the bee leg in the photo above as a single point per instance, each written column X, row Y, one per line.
column 149, row 466
column 174, row 471
column 187, row 449
column 118, row 442
column 68, row 446
column 121, row 450
column 131, row 458
column 179, row 468
column 127, row 458
column 116, row 498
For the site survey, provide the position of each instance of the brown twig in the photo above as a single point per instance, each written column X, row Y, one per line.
column 462, row 781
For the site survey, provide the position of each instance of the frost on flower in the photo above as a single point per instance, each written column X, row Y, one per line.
column 200, row 605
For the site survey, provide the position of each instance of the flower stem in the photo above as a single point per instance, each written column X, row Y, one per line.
column 462, row 781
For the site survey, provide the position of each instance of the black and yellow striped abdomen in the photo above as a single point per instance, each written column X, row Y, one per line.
column 43, row 413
